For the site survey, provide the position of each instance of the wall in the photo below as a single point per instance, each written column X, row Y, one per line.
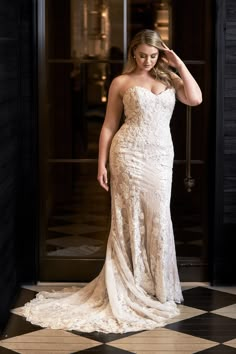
column 230, row 115
column 27, row 214
column 224, row 240
column 17, row 169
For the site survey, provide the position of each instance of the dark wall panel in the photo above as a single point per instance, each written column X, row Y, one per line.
column 224, row 242
column 9, row 105
column 17, row 122
column 230, row 115
column 27, row 174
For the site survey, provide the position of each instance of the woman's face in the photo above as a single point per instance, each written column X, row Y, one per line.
column 146, row 56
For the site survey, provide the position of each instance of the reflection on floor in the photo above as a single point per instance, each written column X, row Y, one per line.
column 77, row 246
column 68, row 237
column 207, row 324
column 79, row 219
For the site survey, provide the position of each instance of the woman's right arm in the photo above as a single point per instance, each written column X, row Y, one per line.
column 109, row 128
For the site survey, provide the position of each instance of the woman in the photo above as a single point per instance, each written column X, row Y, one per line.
column 138, row 287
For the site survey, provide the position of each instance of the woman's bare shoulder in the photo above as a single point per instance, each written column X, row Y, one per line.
column 121, row 80
column 119, row 83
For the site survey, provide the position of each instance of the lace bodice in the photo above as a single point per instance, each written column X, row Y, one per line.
column 147, row 115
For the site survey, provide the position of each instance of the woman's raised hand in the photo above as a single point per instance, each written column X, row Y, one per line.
column 171, row 57
column 103, row 178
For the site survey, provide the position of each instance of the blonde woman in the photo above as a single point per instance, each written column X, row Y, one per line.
column 138, row 287
column 148, row 67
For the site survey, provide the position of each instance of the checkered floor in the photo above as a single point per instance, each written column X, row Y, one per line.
column 207, row 324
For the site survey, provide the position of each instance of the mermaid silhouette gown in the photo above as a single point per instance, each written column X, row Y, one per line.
column 138, row 287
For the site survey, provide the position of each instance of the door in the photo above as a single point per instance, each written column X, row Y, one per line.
column 82, row 47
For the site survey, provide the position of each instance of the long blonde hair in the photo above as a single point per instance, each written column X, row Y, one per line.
column 161, row 70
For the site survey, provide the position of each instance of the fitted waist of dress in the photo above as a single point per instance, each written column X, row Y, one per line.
column 139, row 136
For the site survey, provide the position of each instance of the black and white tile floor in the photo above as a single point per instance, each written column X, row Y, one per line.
column 207, row 324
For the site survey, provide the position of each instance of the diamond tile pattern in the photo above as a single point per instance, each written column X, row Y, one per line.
column 104, row 337
column 206, row 324
column 219, row 349
column 232, row 343
column 6, row 351
column 106, row 349
column 207, row 299
column 49, row 340
column 163, row 340
column 229, row 311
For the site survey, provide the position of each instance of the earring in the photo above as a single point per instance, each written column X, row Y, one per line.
column 134, row 56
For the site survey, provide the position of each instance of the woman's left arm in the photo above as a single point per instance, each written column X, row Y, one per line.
column 187, row 89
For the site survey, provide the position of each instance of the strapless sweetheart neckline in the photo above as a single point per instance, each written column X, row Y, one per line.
column 131, row 88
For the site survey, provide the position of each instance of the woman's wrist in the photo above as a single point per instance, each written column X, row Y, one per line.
column 102, row 165
column 180, row 66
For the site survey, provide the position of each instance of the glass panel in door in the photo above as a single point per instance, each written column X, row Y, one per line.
column 81, row 53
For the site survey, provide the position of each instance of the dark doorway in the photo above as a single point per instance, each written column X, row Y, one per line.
column 82, row 46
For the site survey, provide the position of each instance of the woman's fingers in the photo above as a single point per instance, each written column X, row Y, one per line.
column 103, row 184
column 171, row 58
column 165, row 46
column 103, row 181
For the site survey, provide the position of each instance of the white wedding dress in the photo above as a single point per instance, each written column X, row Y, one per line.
column 138, row 287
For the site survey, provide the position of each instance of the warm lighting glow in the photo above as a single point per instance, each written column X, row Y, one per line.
column 163, row 20
column 90, row 28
